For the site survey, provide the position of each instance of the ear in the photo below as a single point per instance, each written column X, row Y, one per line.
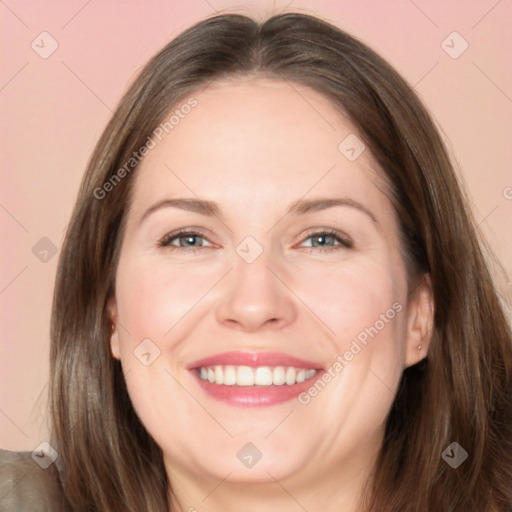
column 114, row 337
column 420, row 322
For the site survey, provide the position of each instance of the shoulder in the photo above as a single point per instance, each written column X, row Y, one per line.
column 25, row 485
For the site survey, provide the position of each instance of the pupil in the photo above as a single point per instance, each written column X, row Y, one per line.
column 321, row 239
column 190, row 239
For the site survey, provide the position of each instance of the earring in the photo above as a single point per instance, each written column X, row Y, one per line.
column 420, row 347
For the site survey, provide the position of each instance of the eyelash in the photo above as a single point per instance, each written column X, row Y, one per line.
column 344, row 241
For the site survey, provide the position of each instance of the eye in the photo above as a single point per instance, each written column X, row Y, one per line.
column 325, row 240
column 187, row 240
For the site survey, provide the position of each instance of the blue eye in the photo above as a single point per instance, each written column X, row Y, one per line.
column 189, row 238
column 326, row 240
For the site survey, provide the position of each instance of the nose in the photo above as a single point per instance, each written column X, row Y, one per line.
column 255, row 297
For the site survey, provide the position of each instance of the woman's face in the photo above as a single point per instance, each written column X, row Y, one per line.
column 290, row 292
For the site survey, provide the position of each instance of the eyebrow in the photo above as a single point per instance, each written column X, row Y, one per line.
column 300, row 207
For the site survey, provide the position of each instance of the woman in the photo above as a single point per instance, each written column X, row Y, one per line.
column 271, row 293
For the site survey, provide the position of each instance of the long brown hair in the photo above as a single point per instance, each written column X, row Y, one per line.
column 462, row 392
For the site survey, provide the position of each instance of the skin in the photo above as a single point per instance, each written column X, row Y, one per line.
column 255, row 146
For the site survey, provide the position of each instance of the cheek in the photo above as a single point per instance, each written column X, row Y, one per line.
column 153, row 297
column 358, row 300
column 364, row 306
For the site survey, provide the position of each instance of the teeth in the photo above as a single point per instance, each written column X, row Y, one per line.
column 219, row 375
column 229, row 376
column 278, row 376
column 291, row 375
column 244, row 376
column 261, row 376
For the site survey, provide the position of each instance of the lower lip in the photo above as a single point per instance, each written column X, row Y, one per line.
column 254, row 396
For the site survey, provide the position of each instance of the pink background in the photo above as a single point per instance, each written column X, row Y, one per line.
column 54, row 109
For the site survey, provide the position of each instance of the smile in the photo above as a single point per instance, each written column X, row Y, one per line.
column 254, row 379
column 261, row 376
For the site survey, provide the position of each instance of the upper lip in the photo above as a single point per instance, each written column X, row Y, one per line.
column 253, row 359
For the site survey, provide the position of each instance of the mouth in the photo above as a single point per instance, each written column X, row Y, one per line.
column 254, row 379
column 261, row 376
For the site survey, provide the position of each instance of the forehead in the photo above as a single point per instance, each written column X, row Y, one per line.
column 254, row 137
